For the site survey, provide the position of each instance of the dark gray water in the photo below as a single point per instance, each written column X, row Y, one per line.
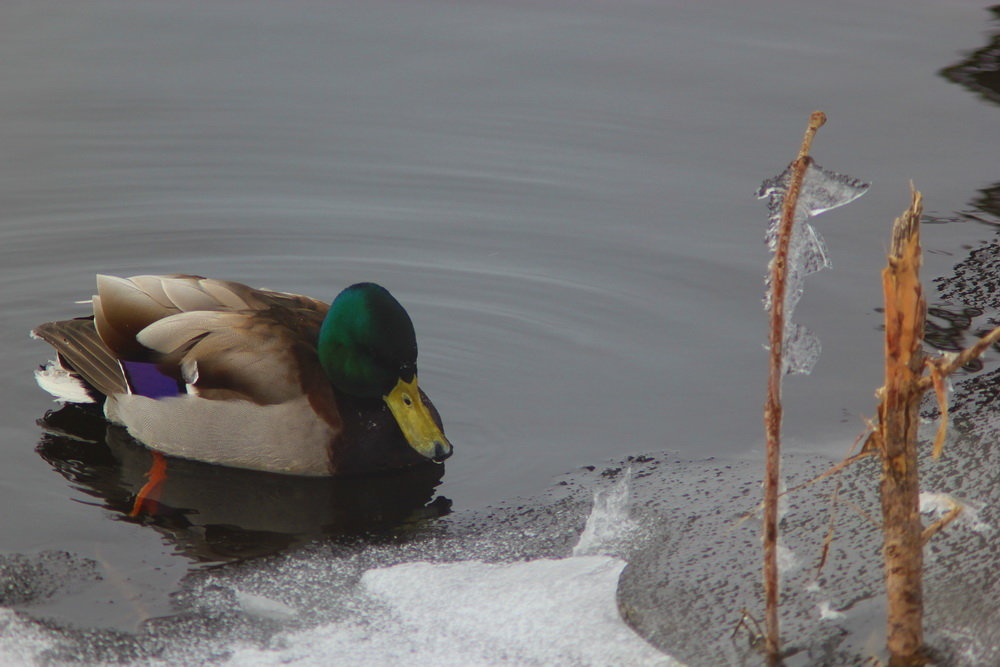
column 560, row 193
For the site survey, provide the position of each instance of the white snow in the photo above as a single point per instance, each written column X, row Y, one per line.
column 548, row 611
column 609, row 521
column 788, row 562
column 827, row 613
column 21, row 642
column 939, row 504
column 263, row 607
column 540, row 612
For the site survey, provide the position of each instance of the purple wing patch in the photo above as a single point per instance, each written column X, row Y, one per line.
column 145, row 379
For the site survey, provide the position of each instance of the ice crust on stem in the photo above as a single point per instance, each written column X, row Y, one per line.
column 822, row 190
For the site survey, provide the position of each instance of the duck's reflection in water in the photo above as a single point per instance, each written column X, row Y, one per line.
column 213, row 513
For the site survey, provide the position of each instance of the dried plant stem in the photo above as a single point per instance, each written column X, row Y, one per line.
column 896, row 438
column 952, row 363
column 772, row 408
column 936, row 527
column 832, row 470
column 940, row 368
column 830, row 530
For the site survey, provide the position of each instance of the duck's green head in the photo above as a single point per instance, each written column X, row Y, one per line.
column 368, row 349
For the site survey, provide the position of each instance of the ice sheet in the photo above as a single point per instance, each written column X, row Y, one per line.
column 507, row 586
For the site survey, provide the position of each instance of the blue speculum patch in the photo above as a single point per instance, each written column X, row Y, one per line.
column 145, row 379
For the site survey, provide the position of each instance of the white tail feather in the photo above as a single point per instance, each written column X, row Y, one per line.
column 62, row 383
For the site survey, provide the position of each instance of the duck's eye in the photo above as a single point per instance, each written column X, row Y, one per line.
column 407, row 400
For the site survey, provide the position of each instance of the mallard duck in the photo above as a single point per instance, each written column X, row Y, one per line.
column 221, row 372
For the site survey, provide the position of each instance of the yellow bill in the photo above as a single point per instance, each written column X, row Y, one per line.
column 416, row 422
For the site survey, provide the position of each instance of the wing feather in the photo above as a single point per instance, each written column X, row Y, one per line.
column 235, row 354
column 81, row 349
column 225, row 294
column 153, row 287
column 187, row 295
column 224, row 339
column 125, row 306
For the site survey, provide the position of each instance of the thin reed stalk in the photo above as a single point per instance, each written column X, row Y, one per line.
column 772, row 408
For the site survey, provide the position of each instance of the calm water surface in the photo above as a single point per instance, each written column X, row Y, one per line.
column 560, row 193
